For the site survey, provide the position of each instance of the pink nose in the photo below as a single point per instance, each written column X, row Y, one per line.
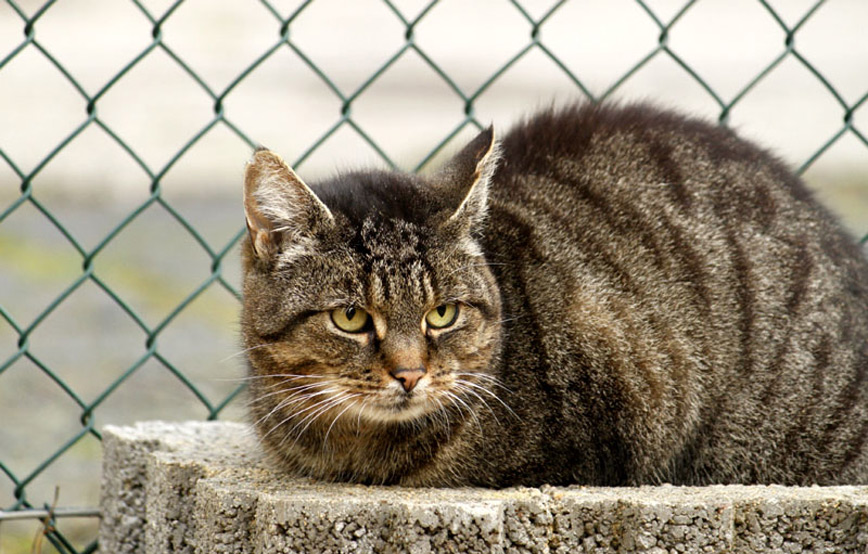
column 408, row 377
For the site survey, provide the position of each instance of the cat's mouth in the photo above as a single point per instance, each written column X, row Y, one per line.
column 399, row 407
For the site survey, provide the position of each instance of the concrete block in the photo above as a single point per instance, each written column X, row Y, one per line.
column 204, row 487
column 122, row 500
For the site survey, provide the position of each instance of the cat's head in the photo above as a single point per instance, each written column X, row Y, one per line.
column 367, row 297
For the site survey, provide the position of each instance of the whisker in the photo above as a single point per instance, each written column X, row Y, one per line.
column 295, row 392
column 514, row 318
column 452, row 397
column 290, row 401
column 359, row 416
column 295, row 415
column 277, row 425
column 460, row 402
column 491, row 394
column 490, row 378
column 462, row 385
column 245, row 351
column 288, row 385
column 288, row 376
column 292, row 388
column 335, row 420
column 313, row 416
column 301, row 398
column 318, row 405
column 443, row 414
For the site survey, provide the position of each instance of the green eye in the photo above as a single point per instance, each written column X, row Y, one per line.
column 442, row 316
column 351, row 320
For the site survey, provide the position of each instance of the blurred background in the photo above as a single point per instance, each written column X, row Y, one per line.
column 125, row 126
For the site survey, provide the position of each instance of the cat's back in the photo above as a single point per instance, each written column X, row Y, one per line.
column 662, row 266
column 643, row 151
column 668, row 187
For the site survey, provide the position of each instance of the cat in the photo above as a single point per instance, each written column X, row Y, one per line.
column 610, row 295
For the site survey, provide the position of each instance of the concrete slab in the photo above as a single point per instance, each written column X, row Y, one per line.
column 204, row 487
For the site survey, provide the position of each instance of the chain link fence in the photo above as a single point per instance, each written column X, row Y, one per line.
column 108, row 302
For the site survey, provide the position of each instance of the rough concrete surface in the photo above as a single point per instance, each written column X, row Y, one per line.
column 203, row 487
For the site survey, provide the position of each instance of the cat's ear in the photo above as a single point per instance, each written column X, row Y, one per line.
column 468, row 174
column 278, row 205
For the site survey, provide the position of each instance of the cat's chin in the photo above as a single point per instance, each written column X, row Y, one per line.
column 398, row 411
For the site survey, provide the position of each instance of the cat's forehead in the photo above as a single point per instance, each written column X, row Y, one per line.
column 397, row 256
column 392, row 264
column 395, row 239
column 399, row 286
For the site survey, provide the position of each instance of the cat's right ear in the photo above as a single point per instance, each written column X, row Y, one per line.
column 466, row 179
column 278, row 205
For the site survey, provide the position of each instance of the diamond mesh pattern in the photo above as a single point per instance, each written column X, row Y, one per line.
column 78, row 258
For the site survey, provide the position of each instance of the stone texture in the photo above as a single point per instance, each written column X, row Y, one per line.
column 203, row 487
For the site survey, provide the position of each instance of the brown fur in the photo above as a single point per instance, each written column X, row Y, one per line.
column 643, row 298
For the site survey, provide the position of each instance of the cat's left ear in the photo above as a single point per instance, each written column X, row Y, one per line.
column 278, row 206
column 466, row 179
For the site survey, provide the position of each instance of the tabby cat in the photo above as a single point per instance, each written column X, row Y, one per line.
column 611, row 295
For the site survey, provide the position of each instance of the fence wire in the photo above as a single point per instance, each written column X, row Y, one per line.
column 216, row 254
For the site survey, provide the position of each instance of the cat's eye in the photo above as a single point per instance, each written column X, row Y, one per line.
column 350, row 320
column 442, row 316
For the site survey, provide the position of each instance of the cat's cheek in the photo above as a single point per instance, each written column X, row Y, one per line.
column 312, row 350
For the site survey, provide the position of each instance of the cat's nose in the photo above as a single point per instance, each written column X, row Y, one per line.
column 408, row 377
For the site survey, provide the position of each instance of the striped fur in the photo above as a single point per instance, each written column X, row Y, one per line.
column 645, row 298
